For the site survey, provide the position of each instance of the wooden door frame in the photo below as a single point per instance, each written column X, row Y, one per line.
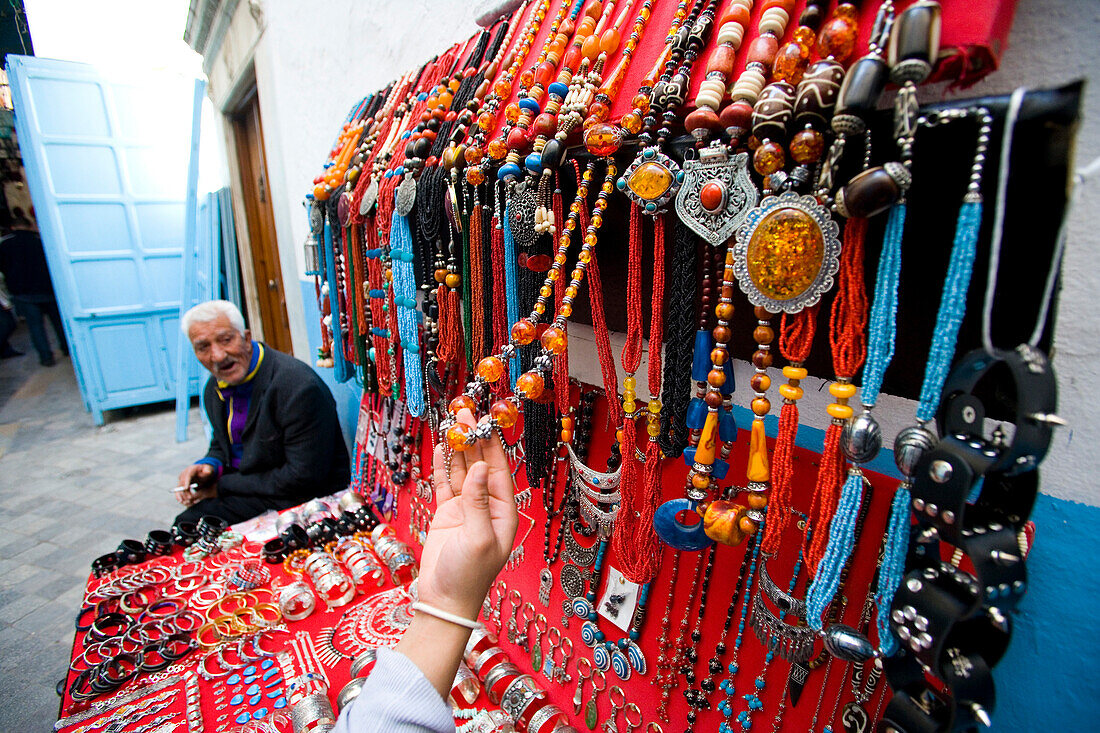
column 243, row 93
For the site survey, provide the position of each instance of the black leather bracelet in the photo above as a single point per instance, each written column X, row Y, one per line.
column 130, row 552
column 185, row 533
column 119, row 670
column 274, row 551
column 176, row 646
column 159, row 543
column 100, row 629
column 152, row 658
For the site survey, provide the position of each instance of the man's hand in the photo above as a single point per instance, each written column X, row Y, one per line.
column 474, row 526
column 199, row 473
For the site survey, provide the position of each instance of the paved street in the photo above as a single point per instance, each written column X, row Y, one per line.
column 69, row 491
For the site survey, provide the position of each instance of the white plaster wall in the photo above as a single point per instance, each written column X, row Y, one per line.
column 313, row 65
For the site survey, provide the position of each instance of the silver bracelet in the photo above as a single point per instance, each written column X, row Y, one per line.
column 447, row 616
column 313, row 713
column 495, row 674
column 542, row 716
column 519, row 695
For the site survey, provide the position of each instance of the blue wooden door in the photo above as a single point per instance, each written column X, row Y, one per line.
column 107, row 165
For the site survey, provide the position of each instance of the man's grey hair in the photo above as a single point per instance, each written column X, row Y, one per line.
column 209, row 311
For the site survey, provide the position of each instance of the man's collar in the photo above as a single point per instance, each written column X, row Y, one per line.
column 253, row 367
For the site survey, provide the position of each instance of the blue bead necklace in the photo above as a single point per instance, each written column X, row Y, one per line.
column 408, row 316
column 862, row 436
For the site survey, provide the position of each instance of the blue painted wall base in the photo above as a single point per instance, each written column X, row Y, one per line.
column 1047, row 679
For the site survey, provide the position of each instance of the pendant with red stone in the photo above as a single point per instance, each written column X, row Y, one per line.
column 717, row 193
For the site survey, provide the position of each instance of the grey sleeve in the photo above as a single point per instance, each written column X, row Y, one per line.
column 396, row 698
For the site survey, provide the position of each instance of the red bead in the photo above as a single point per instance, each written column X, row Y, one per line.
column 737, row 115
column 517, row 139
column 544, row 75
column 762, row 50
column 573, row 58
column 545, row 125
column 722, row 59
column 703, row 118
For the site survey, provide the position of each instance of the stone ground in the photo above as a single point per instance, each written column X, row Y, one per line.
column 69, row 492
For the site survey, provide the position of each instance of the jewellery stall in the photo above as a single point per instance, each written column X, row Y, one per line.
column 653, row 245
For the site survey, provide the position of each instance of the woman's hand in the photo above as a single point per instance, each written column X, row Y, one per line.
column 474, row 526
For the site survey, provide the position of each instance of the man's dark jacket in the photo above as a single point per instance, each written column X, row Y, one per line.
column 293, row 447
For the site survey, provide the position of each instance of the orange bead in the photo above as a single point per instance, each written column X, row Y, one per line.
column 761, row 406
column 530, row 384
column 463, row 401
column 768, row 158
column 523, row 332
column 456, row 436
column 491, row 368
column 632, row 123
column 504, row 412
column 602, row 139
column 497, row 149
column 757, row 499
column 475, row 176
column 720, row 522
column 763, row 334
column 554, row 340
column 838, row 37
column 701, row 481
column 747, row 526
column 807, row 146
column 790, row 63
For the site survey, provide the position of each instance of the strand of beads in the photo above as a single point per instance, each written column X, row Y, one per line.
column 519, row 114
column 554, row 341
column 501, row 90
column 728, row 685
column 703, row 120
column 698, row 700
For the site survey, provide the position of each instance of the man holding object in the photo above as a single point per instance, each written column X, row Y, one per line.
column 276, row 441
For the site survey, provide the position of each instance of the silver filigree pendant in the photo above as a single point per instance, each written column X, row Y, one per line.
column 370, row 198
column 546, row 581
column 521, row 215
column 406, row 196
column 717, row 194
column 651, row 180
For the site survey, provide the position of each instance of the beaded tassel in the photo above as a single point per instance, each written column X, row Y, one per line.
column 952, row 308
column 511, row 289
column 795, row 341
column 893, row 567
column 847, row 336
column 407, row 314
column 884, row 311
column 839, row 549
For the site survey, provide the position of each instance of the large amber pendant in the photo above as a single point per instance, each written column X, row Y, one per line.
column 717, row 194
column 651, row 180
column 787, row 252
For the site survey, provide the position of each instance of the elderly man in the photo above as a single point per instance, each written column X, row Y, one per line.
column 276, row 441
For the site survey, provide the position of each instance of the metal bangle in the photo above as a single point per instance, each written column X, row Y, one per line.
column 519, row 695
column 485, row 656
column 542, row 716
column 495, row 674
column 360, row 662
